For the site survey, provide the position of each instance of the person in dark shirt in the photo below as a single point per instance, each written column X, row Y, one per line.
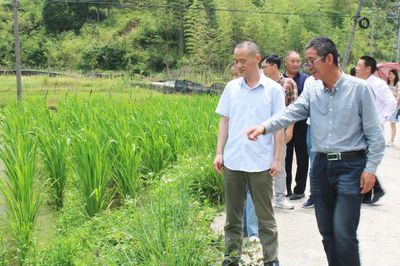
column 298, row 142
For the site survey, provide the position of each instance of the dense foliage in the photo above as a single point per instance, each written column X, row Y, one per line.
column 144, row 36
column 128, row 178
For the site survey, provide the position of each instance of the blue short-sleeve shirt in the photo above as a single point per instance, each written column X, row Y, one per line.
column 246, row 107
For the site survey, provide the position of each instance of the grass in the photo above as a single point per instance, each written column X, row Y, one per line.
column 19, row 153
column 127, row 159
column 59, row 89
column 92, row 169
column 165, row 226
column 55, row 152
column 95, row 141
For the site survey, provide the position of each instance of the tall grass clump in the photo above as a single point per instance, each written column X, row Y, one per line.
column 55, row 149
column 92, row 169
column 155, row 150
column 169, row 229
column 19, row 153
column 127, row 159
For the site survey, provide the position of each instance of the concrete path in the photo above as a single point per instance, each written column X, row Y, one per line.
column 378, row 233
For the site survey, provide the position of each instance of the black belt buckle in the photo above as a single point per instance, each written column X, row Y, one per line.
column 334, row 156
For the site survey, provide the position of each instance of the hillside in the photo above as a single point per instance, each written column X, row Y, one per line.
column 143, row 37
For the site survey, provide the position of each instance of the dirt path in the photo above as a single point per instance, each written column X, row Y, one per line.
column 378, row 233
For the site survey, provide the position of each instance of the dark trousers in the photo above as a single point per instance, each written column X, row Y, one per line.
column 260, row 186
column 299, row 143
column 335, row 186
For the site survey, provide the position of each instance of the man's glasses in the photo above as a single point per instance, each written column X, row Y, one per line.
column 310, row 63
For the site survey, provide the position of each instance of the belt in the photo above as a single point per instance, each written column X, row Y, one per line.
column 339, row 156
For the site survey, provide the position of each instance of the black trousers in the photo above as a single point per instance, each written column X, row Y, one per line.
column 299, row 144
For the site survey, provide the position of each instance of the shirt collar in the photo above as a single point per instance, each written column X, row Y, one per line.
column 297, row 75
column 370, row 78
column 281, row 76
column 337, row 85
column 259, row 83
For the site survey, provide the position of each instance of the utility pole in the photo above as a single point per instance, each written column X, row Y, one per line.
column 17, row 52
column 398, row 29
column 353, row 32
column 371, row 44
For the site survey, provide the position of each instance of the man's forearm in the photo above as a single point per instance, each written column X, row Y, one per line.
column 222, row 134
column 293, row 113
column 278, row 143
column 290, row 128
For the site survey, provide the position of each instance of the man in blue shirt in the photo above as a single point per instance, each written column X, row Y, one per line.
column 246, row 101
column 299, row 139
column 348, row 143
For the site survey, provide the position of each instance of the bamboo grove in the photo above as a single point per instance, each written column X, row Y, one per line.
column 183, row 35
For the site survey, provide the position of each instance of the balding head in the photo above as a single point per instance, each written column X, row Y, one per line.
column 252, row 48
column 289, row 53
column 247, row 57
column 292, row 63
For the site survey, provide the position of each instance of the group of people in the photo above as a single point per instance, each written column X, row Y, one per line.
column 266, row 114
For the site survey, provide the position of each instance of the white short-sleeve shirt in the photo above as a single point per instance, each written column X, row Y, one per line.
column 245, row 108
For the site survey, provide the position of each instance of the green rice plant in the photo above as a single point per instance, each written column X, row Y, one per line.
column 204, row 181
column 61, row 252
column 4, row 253
column 55, row 149
column 127, row 160
column 15, row 119
column 155, row 150
column 175, row 131
column 18, row 189
column 168, row 229
column 92, row 169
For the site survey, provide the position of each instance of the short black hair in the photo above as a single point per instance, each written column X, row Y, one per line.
column 324, row 46
column 353, row 71
column 369, row 62
column 273, row 59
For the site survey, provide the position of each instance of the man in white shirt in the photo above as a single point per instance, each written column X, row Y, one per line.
column 385, row 106
column 385, row 101
column 270, row 66
column 246, row 101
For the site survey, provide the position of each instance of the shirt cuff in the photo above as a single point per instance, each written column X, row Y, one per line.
column 265, row 125
column 371, row 168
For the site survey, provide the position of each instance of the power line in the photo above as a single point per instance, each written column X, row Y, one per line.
column 210, row 9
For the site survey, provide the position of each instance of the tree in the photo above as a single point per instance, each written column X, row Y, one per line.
column 179, row 8
column 199, row 37
column 59, row 17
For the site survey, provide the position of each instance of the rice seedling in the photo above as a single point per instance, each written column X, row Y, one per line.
column 92, row 169
column 19, row 189
column 127, row 160
column 166, row 230
column 128, row 145
column 55, row 149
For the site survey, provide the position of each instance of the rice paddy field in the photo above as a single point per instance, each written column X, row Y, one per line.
column 95, row 171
